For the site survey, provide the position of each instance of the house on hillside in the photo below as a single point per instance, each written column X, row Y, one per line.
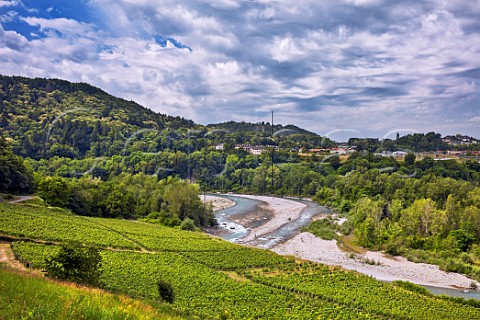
column 256, row 149
column 398, row 154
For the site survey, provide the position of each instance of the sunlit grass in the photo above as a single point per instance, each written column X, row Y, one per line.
column 24, row 296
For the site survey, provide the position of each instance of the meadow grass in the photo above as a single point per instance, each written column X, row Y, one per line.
column 25, row 296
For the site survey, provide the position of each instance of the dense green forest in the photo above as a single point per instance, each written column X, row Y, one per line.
column 14, row 176
column 98, row 155
column 48, row 118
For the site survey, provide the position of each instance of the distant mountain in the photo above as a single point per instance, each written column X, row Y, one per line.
column 288, row 136
column 263, row 127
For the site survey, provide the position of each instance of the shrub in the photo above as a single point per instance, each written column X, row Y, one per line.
column 473, row 285
column 76, row 264
column 165, row 291
column 323, row 228
column 412, row 287
column 187, row 224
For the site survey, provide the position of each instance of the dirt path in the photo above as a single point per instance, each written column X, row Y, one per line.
column 21, row 199
column 7, row 257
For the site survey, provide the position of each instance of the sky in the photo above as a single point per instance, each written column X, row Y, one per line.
column 339, row 68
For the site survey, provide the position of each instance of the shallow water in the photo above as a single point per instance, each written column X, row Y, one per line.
column 242, row 206
column 291, row 229
column 466, row 294
column 237, row 232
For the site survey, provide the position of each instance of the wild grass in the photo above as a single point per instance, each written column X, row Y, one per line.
column 28, row 297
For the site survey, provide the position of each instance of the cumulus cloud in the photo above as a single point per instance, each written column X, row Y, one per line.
column 11, row 3
column 10, row 40
column 62, row 25
column 367, row 64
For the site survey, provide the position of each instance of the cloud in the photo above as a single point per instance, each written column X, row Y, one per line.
column 7, row 3
column 369, row 64
column 10, row 40
column 63, row 25
column 475, row 119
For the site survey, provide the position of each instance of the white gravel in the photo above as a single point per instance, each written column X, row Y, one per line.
column 308, row 247
column 218, row 203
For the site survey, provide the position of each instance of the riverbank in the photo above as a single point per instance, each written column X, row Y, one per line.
column 276, row 213
column 273, row 213
column 217, row 203
column 376, row 264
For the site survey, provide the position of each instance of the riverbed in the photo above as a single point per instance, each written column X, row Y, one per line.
column 275, row 223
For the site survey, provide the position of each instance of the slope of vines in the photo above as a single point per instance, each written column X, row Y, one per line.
column 216, row 279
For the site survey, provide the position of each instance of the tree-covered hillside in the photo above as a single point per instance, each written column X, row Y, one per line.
column 50, row 117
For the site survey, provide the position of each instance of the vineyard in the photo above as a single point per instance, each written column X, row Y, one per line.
column 57, row 226
column 216, row 279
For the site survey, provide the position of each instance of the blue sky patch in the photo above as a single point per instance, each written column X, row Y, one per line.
column 52, row 9
column 163, row 42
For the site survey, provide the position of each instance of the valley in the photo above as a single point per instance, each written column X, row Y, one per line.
column 106, row 179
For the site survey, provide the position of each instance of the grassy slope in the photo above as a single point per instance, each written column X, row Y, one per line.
column 28, row 297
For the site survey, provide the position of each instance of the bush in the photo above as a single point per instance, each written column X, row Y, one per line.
column 473, row 285
column 323, row 228
column 412, row 287
column 165, row 291
column 165, row 218
column 345, row 228
column 76, row 264
column 393, row 248
column 187, row 224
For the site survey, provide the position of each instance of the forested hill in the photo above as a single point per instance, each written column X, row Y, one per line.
column 50, row 117
column 233, row 126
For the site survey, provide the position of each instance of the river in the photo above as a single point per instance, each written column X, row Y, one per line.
column 236, row 232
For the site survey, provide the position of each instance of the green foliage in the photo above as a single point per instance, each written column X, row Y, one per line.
column 55, row 191
column 412, row 287
column 167, row 201
column 182, row 199
column 323, row 228
column 75, row 264
column 410, row 159
column 463, row 238
column 14, row 175
column 98, row 162
column 418, row 142
column 205, row 274
column 27, row 297
column 165, row 291
column 469, row 302
column 165, row 218
column 50, row 117
column 351, row 290
column 187, row 225
column 54, row 225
